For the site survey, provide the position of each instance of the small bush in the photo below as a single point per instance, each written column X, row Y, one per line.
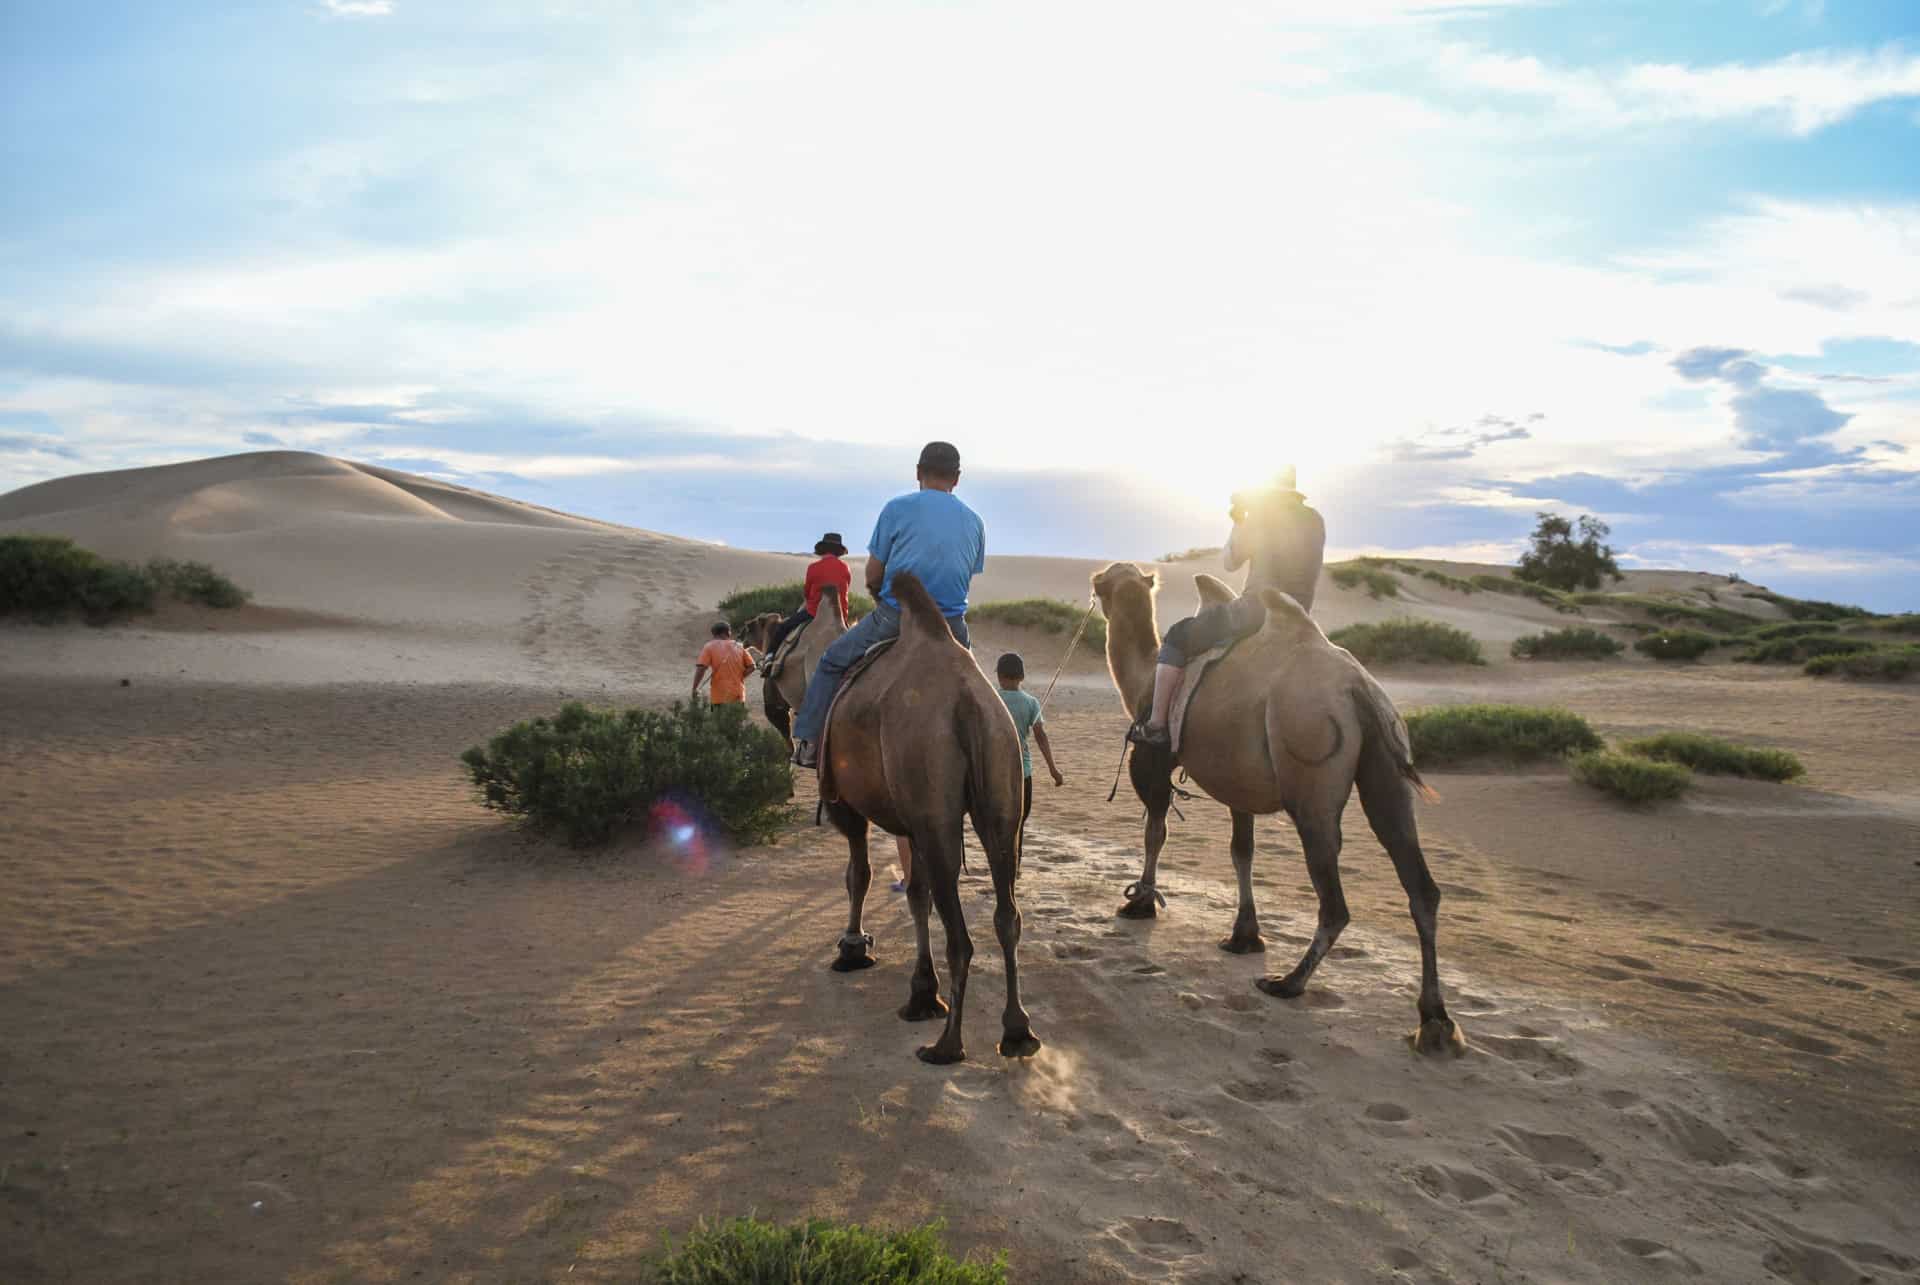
column 1193, row 555
column 1630, row 777
column 1795, row 629
column 1712, row 755
column 1567, row 644
column 585, row 772
column 1902, row 624
column 1442, row 579
column 1676, row 644
column 1791, row 651
column 817, row 1252
column 1667, row 611
column 1050, row 615
column 1419, row 640
column 196, row 582
column 1378, row 584
column 1512, row 733
column 742, row 605
column 1808, row 608
column 1886, row 662
column 1560, row 602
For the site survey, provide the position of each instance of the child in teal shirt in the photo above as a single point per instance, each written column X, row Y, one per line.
column 1012, row 671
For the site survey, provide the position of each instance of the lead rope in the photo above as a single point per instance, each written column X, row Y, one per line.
column 1092, row 603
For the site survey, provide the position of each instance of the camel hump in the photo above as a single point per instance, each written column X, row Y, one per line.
column 1213, row 589
column 918, row 611
column 1284, row 613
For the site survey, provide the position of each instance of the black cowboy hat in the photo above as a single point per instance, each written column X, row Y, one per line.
column 830, row 543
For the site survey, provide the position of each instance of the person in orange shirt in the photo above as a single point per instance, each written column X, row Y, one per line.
column 729, row 663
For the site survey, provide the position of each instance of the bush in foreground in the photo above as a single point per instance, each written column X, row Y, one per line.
column 585, row 772
column 1050, row 615
column 1427, row 641
column 1354, row 575
column 1567, row 644
column 817, row 1252
column 1887, row 662
column 1630, row 777
column 1514, row 733
column 1712, row 755
column 49, row 577
column 1676, row 644
column 742, row 605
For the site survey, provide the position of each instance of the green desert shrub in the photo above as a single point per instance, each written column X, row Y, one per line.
column 1427, row 641
column 1629, row 776
column 1676, row 644
column 1714, row 756
column 1791, row 651
column 1414, row 569
column 1452, row 734
column 1567, row 644
column 585, row 772
column 1808, row 608
column 1353, row 575
column 1560, row 602
column 742, row 605
column 1884, row 662
column 1049, row 615
column 1907, row 623
column 1669, row 612
column 817, row 1252
column 195, row 582
column 1792, row 629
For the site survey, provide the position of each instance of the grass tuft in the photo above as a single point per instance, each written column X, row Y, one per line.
column 1886, row 662
column 1426, row 641
column 742, row 605
column 1714, row 756
column 1792, row 651
column 1050, row 615
column 1451, row 734
column 1808, row 608
column 1567, row 644
column 1355, row 575
column 1560, row 602
column 1676, row 644
column 1669, row 612
column 1629, row 776
column 817, row 1252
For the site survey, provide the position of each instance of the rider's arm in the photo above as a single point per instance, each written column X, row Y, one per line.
column 876, row 575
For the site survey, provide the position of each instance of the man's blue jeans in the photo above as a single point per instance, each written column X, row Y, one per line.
column 881, row 623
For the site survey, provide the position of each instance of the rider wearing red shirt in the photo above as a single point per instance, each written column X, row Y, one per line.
column 827, row 569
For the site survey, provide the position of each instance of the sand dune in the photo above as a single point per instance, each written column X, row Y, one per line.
column 283, row 1003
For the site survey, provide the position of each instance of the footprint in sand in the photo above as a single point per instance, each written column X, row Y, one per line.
column 1543, row 1059
column 1126, row 1164
column 1387, row 1113
column 1621, row 1099
column 1161, row 1240
column 1651, row 1253
column 1795, row 1040
column 1552, row 1151
column 1261, row 1092
column 1462, row 1186
column 1631, row 961
column 1074, row 950
column 1692, row 1138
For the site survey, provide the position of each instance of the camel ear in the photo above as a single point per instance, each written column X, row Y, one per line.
column 1153, row 579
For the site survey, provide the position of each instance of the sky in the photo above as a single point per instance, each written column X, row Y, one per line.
column 720, row 268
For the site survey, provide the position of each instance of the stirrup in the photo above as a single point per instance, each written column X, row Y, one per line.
column 1142, row 733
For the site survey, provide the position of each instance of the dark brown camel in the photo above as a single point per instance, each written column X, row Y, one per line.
column 1287, row 723
column 917, row 745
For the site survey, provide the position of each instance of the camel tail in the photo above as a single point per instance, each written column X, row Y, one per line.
column 918, row 610
column 1384, row 732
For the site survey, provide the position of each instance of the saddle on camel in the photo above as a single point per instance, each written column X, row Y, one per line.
column 918, row 743
column 800, row 652
column 1286, row 722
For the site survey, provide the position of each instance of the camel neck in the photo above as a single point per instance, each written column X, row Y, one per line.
column 1133, row 643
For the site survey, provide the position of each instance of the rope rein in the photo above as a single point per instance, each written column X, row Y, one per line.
column 1092, row 604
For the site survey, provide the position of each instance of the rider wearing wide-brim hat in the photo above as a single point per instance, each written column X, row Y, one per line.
column 826, row 570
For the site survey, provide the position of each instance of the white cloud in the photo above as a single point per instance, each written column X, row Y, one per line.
column 1801, row 94
column 359, row 8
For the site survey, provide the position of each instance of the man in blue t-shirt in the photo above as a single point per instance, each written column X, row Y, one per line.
column 929, row 532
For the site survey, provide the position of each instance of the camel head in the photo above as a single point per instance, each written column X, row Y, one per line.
column 1120, row 581
column 760, row 628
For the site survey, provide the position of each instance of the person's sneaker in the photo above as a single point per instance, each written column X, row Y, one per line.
column 1155, row 738
column 804, row 754
column 899, row 885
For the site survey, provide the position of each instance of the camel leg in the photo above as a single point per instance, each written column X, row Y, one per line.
column 940, row 862
column 1246, row 939
column 923, row 994
column 1016, row 1029
column 1152, row 775
column 1389, row 808
column 779, row 713
column 1321, row 839
column 856, row 945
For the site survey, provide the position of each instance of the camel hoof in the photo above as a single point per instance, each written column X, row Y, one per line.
column 1439, row 1035
column 1142, row 909
column 1238, row 945
column 923, row 1010
column 854, row 958
column 1021, row 1044
column 934, row 1055
column 1284, row 987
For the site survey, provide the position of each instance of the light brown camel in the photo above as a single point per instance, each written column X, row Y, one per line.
column 917, row 745
column 1287, row 723
column 782, row 695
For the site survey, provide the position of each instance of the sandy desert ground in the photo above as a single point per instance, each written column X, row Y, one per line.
column 282, row 1002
